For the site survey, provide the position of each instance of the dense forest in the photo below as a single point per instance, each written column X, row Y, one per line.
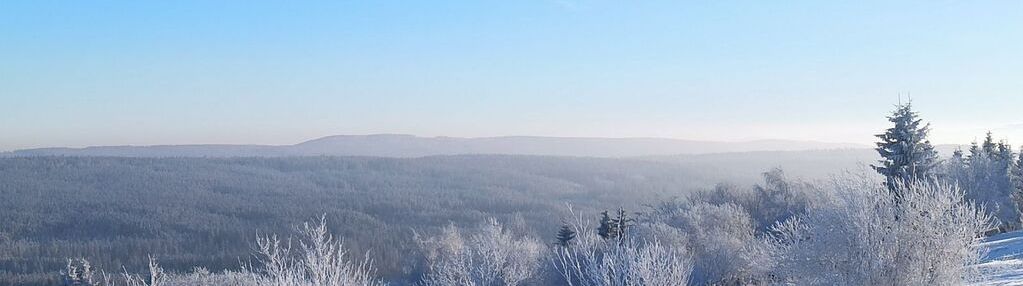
column 199, row 211
column 912, row 218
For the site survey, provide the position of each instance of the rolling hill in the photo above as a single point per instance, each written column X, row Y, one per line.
column 393, row 145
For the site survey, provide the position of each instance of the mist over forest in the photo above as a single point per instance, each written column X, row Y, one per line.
column 173, row 215
column 196, row 211
column 511, row 143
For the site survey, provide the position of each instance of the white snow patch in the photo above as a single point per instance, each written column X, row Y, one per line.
column 1003, row 263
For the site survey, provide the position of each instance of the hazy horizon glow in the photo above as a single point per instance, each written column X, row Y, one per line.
column 89, row 73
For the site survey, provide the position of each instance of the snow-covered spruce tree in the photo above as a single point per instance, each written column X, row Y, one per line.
column 990, row 181
column 1018, row 181
column 989, row 176
column 620, row 226
column 957, row 169
column 491, row 256
column 606, row 228
column 854, row 238
column 615, row 228
column 565, row 236
column 906, row 154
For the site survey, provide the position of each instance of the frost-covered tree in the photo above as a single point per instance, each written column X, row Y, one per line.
column 956, row 169
column 1018, row 181
column 614, row 228
column 596, row 261
column 319, row 260
column 721, row 238
column 906, row 154
column 603, row 263
column 724, row 227
column 491, row 256
column 157, row 277
column 992, row 184
column 78, row 272
column 620, row 225
column 855, row 239
column 777, row 199
column 988, row 178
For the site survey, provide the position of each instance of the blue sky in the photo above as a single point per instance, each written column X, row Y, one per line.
column 79, row 73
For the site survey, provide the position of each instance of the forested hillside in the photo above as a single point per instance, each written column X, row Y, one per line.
column 714, row 219
column 202, row 212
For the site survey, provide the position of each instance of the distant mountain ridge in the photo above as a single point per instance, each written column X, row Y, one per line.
column 398, row 145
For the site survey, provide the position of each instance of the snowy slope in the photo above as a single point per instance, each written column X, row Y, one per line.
column 1004, row 260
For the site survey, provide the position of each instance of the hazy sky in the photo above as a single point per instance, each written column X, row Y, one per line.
column 77, row 73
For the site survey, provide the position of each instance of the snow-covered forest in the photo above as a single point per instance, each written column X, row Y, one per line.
column 912, row 217
column 511, row 143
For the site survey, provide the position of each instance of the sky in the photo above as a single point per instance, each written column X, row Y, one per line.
column 86, row 73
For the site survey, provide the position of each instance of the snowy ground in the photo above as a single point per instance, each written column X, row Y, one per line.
column 1004, row 260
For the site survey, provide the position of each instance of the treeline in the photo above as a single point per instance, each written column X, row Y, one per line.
column 990, row 175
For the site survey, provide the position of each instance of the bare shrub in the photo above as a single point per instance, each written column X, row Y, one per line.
column 156, row 276
column 490, row 256
column 80, row 272
column 321, row 260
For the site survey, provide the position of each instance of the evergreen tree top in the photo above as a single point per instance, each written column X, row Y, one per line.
column 989, row 145
column 906, row 154
column 565, row 236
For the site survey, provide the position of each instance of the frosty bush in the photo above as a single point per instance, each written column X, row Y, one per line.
column 322, row 261
column 596, row 262
column 726, row 228
column 79, row 272
column 862, row 236
column 637, row 258
column 157, row 276
column 721, row 238
column 202, row 277
column 490, row 256
column 774, row 200
column 319, row 260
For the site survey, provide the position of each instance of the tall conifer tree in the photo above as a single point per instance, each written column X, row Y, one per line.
column 906, row 154
column 606, row 228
